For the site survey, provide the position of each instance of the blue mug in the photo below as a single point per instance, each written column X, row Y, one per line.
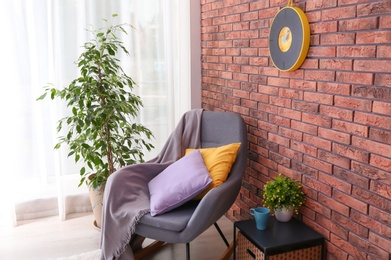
column 261, row 216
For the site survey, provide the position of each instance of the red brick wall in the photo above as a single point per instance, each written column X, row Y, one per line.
column 327, row 124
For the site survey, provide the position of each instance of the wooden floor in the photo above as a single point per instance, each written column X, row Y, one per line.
column 50, row 238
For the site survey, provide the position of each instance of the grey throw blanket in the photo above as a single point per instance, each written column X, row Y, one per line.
column 126, row 197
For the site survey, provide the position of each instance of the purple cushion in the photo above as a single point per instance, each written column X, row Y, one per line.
column 178, row 183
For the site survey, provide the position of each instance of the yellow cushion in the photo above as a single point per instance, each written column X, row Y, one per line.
column 218, row 161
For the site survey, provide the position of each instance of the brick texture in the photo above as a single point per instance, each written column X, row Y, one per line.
column 327, row 124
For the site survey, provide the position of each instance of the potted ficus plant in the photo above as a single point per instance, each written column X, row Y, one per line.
column 283, row 195
column 101, row 129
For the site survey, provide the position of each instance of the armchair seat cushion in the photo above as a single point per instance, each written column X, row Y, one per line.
column 175, row 220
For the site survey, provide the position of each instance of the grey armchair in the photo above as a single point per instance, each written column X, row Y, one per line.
column 185, row 223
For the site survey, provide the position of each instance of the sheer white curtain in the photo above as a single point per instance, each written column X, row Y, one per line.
column 40, row 40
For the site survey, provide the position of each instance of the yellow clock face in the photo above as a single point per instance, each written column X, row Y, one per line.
column 285, row 39
column 289, row 38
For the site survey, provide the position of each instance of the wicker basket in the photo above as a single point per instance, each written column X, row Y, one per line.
column 248, row 251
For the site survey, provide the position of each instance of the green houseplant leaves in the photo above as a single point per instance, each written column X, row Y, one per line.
column 100, row 129
column 283, row 192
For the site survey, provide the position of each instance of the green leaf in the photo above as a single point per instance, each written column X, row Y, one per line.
column 90, row 165
column 86, row 146
column 111, row 52
column 42, row 96
column 81, row 181
column 59, row 126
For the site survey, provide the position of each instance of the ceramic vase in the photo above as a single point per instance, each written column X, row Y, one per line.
column 284, row 214
column 96, row 198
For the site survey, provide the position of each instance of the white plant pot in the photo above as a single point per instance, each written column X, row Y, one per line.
column 284, row 215
column 96, row 198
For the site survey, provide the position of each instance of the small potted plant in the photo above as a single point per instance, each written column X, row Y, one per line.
column 101, row 128
column 283, row 195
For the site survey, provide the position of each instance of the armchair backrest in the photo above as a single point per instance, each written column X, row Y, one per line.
column 221, row 128
column 217, row 129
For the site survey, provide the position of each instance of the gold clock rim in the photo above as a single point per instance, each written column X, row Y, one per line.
column 305, row 36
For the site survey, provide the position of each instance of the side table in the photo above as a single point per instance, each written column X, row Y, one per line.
column 281, row 240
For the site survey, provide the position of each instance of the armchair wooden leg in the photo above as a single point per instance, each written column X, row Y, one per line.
column 148, row 249
column 228, row 252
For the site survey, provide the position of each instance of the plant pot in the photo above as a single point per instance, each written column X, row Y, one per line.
column 284, row 214
column 96, row 198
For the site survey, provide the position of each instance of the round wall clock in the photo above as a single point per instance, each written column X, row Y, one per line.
column 289, row 38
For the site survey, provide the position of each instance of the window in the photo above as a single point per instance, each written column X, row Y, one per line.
column 43, row 40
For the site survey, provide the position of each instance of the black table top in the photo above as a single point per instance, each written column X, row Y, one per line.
column 280, row 237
